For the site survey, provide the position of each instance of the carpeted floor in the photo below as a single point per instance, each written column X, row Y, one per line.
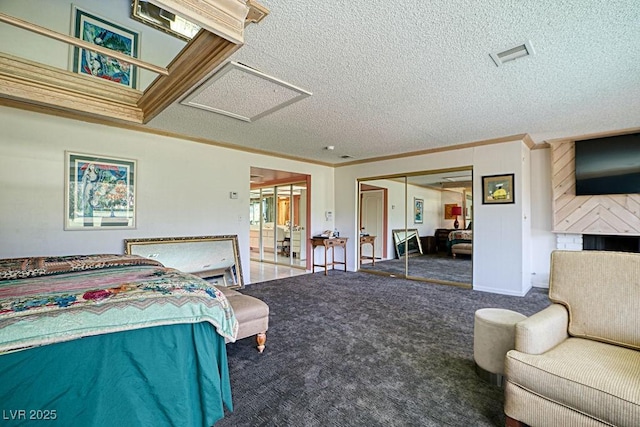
column 439, row 266
column 356, row 349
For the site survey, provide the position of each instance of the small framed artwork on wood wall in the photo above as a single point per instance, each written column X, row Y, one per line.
column 498, row 189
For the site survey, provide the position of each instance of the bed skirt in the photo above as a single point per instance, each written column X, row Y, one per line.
column 165, row 375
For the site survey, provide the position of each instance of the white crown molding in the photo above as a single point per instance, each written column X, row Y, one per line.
column 40, row 84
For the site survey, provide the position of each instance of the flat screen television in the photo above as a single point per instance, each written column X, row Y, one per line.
column 608, row 165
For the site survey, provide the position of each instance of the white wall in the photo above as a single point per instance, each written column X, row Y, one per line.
column 432, row 209
column 500, row 263
column 543, row 241
column 182, row 187
column 450, row 197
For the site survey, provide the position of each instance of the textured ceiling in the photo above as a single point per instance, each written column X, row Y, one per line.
column 391, row 77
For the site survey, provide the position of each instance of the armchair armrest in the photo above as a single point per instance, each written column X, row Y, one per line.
column 543, row 331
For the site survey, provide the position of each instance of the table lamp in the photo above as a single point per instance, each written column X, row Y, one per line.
column 455, row 211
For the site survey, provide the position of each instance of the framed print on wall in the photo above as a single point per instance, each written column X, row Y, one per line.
column 99, row 192
column 99, row 31
column 418, row 210
column 498, row 189
column 448, row 210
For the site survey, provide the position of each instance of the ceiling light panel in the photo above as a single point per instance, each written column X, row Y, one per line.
column 244, row 93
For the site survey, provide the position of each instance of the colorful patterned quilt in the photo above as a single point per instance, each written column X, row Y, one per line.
column 54, row 299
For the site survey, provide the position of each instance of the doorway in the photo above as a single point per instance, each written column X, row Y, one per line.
column 373, row 222
column 278, row 217
column 411, row 217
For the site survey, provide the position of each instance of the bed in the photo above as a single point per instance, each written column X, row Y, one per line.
column 111, row 340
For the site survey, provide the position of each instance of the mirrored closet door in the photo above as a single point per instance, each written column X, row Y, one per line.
column 412, row 217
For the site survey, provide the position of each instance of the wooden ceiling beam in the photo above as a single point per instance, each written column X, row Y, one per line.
column 200, row 56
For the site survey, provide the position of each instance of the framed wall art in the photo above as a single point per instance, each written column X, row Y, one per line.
column 448, row 210
column 418, row 212
column 94, row 29
column 99, row 192
column 498, row 189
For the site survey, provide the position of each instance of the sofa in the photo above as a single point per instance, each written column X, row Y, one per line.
column 577, row 362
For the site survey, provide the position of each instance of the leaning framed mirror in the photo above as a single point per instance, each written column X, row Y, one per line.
column 406, row 241
column 214, row 258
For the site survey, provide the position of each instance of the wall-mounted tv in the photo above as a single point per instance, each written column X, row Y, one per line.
column 609, row 165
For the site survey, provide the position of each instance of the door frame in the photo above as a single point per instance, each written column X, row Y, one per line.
column 385, row 200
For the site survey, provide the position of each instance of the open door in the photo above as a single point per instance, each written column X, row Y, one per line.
column 373, row 222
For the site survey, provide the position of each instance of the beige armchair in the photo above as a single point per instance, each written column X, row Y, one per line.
column 577, row 362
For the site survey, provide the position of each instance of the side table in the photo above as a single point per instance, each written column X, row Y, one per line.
column 372, row 241
column 329, row 243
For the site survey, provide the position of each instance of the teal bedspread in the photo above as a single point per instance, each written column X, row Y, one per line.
column 119, row 379
column 111, row 340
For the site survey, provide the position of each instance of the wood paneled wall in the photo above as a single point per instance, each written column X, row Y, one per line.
column 617, row 214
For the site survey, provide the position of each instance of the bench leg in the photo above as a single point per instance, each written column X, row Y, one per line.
column 261, row 339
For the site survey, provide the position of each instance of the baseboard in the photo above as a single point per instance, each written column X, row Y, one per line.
column 500, row 291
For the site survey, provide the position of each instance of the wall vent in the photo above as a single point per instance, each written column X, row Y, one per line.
column 520, row 51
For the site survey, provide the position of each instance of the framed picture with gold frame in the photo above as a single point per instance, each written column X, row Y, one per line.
column 498, row 189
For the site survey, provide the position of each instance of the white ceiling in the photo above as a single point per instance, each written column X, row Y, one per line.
column 391, row 76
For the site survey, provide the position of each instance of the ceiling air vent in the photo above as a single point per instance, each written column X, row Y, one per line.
column 243, row 93
column 520, row 51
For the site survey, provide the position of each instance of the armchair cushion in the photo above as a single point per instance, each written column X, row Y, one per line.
column 587, row 376
column 596, row 287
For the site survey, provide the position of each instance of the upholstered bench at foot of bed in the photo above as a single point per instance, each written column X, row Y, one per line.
column 462, row 248
column 252, row 315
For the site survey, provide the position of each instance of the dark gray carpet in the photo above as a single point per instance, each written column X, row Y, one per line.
column 356, row 349
column 433, row 266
